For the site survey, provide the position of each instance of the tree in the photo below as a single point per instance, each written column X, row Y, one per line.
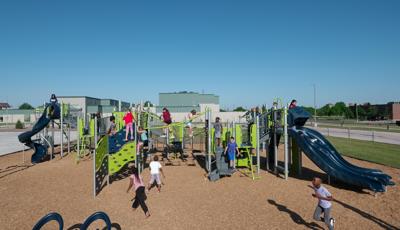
column 325, row 110
column 26, row 106
column 222, row 110
column 148, row 104
column 372, row 112
column 263, row 108
column 240, row 109
column 361, row 113
column 19, row 125
column 310, row 110
column 339, row 109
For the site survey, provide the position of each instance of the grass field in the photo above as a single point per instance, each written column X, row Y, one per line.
column 386, row 154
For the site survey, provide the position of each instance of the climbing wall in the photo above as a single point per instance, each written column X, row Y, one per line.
column 119, row 159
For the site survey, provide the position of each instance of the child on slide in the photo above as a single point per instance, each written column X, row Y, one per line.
column 140, row 195
column 155, row 171
column 128, row 119
column 324, row 203
column 231, row 149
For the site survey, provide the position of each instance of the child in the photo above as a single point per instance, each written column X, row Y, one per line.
column 324, row 203
column 140, row 197
column 128, row 119
column 166, row 116
column 155, row 170
column 293, row 104
column 112, row 129
column 218, row 131
column 231, row 149
column 189, row 123
column 143, row 140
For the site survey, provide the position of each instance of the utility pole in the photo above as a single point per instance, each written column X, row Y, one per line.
column 357, row 112
column 315, row 106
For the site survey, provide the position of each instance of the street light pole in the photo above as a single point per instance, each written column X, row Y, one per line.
column 357, row 112
column 315, row 105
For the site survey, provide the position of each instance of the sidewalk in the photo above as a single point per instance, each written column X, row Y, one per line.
column 9, row 141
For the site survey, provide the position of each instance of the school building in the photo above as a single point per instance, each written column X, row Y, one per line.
column 184, row 102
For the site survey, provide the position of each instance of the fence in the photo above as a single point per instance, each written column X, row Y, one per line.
column 367, row 135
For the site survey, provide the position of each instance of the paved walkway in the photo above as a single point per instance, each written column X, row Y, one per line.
column 9, row 141
column 377, row 136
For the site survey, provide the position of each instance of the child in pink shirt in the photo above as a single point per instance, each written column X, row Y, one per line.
column 136, row 181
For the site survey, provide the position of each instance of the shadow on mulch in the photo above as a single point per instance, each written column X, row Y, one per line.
column 294, row 216
column 368, row 216
column 10, row 170
column 114, row 226
column 308, row 174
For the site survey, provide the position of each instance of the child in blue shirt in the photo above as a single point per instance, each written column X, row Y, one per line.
column 231, row 149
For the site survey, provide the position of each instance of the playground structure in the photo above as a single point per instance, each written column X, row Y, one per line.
column 112, row 153
column 265, row 128
column 53, row 113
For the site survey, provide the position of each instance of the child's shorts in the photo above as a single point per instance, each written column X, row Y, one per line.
column 155, row 178
column 231, row 156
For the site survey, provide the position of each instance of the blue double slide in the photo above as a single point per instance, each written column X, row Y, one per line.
column 327, row 158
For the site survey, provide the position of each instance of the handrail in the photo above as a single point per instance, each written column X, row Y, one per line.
column 96, row 216
column 50, row 217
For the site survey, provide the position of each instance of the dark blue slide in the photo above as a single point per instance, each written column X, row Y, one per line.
column 51, row 112
column 327, row 158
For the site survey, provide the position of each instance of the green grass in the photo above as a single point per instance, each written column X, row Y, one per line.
column 386, row 154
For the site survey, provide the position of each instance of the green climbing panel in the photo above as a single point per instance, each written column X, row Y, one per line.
column 119, row 159
column 101, row 151
column 253, row 135
column 119, row 119
column 239, row 136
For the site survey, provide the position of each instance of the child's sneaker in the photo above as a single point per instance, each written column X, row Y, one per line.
column 332, row 222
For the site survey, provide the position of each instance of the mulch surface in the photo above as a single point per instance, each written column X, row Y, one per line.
column 188, row 200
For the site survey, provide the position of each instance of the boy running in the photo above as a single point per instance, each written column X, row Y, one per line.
column 155, row 170
column 324, row 203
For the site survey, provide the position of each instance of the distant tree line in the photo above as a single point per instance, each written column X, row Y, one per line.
column 340, row 109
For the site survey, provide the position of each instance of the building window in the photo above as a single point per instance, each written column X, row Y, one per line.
column 1, row 119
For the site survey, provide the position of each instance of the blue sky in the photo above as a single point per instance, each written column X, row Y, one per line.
column 248, row 52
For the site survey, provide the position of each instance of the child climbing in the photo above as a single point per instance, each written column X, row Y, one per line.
column 324, row 203
column 155, row 171
column 129, row 119
column 166, row 116
column 189, row 124
column 140, row 194
column 218, row 131
column 112, row 128
column 143, row 140
column 231, row 149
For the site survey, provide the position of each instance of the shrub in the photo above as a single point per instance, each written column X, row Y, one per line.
column 19, row 125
